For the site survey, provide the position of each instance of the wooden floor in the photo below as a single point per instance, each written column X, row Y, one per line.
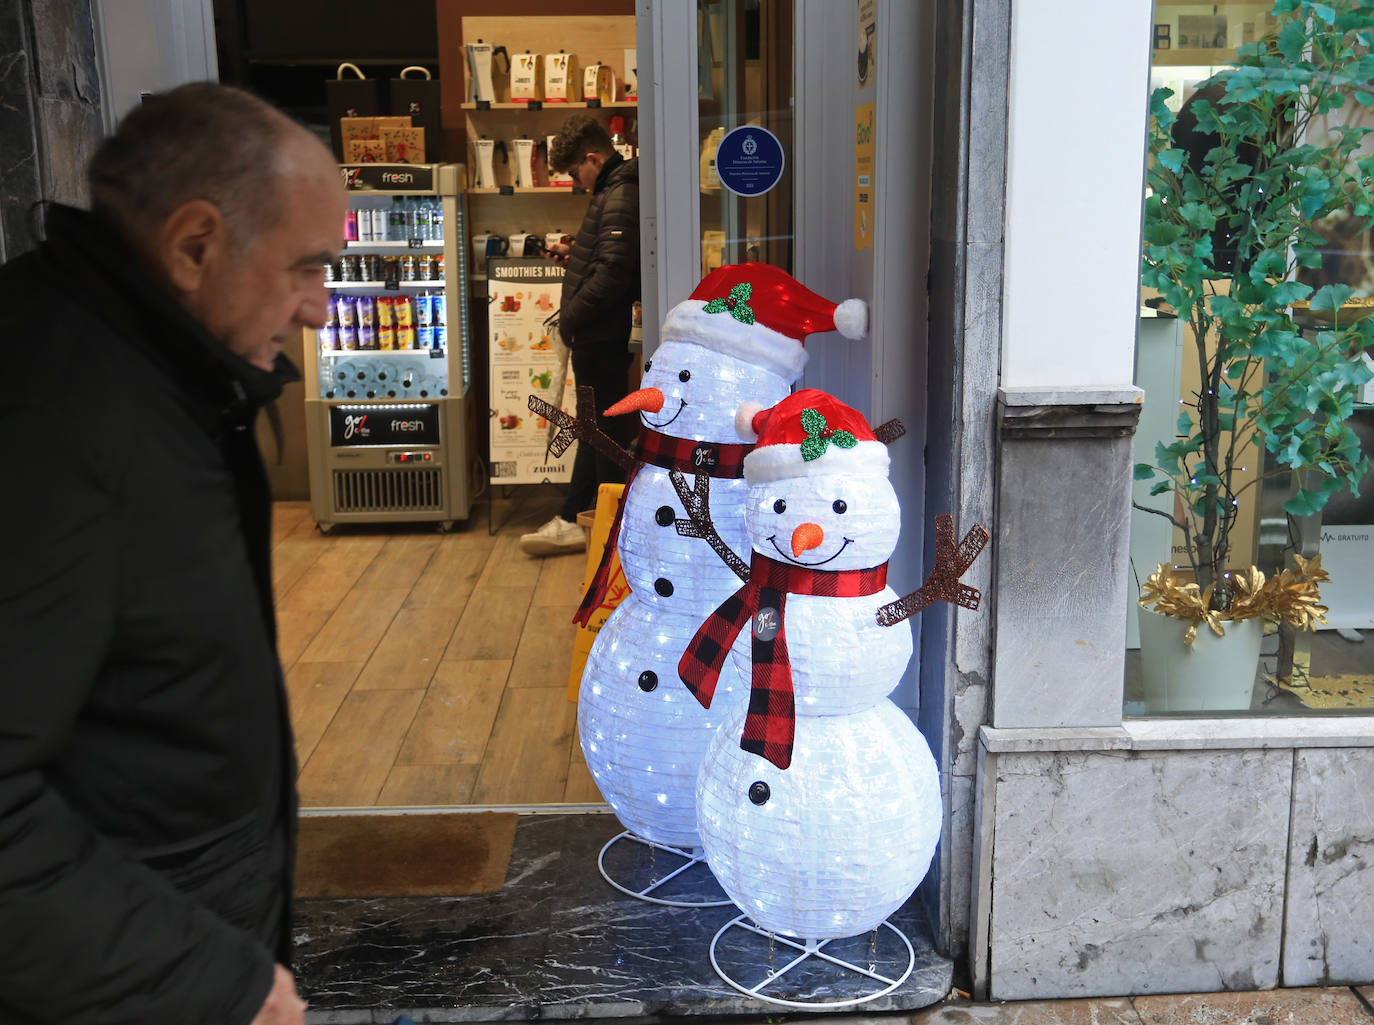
column 429, row 669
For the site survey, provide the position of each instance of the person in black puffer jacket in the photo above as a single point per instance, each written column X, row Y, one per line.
column 600, row 285
column 147, row 777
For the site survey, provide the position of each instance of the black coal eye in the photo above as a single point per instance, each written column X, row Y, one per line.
column 648, row 364
column 759, row 792
column 838, row 505
column 780, row 506
column 684, row 376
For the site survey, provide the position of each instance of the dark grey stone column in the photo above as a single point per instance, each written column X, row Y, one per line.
column 50, row 116
column 972, row 44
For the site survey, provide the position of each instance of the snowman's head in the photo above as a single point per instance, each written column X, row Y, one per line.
column 829, row 521
column 690, row 391
column 819, row 494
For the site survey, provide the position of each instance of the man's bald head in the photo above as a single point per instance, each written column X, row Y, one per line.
column 199, row 141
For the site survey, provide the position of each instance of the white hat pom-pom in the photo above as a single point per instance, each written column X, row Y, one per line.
column 851, row 318
column 744, row 420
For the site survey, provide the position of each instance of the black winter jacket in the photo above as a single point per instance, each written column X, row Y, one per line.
column 601, row 279
column 147, row 799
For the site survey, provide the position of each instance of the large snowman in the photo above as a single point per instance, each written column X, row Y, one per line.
column 737, row 337
column 819, row 804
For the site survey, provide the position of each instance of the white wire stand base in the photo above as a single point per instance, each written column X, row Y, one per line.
column 694, row 885
column 844, row 983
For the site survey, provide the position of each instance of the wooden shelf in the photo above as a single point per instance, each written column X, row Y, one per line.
column 550, row 105
column 522, row 191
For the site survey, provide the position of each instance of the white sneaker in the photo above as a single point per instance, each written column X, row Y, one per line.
column 557, row 537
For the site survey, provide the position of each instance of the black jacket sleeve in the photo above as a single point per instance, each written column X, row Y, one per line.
column 87, row 933
column 611, row 280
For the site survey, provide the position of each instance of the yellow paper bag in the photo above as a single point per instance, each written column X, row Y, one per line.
column 607, row 501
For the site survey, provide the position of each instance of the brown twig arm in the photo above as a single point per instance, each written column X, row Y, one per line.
column 583, row 427
column 951, row 563
column 697, row 501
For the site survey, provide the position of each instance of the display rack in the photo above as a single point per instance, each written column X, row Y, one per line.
column 390, row 430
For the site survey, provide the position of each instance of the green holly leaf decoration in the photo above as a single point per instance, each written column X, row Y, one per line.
column 736, row 303
column 819, row 436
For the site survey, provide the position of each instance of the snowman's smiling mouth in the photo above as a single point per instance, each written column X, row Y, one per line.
column 809, row 565
column 681, row 405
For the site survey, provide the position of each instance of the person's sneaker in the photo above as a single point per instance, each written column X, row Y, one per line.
column 557, row 537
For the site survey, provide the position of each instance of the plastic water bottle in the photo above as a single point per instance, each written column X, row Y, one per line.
column 423, row 227
column 436, row 219
column 396, row 221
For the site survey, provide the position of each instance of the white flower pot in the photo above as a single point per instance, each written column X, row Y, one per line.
column 1214, row 673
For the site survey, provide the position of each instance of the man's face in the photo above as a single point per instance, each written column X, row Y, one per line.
column 585, row 172
column 258, row 297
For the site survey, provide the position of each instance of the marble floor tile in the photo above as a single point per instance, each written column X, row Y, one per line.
column 559, row 943
column 1107, row 1011
column 1333, row 1006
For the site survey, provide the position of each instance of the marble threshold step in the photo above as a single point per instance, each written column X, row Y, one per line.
column 559, row 943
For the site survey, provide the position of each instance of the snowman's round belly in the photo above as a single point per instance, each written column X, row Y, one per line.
column 682, row 573
column 841, row 659
column 643, row 734
column 844, row 835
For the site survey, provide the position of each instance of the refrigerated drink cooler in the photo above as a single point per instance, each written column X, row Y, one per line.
column 390, row 421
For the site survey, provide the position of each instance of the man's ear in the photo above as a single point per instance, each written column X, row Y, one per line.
column 192, row 238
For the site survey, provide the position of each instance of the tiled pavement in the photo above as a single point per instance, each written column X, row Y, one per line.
column 1337, row 1005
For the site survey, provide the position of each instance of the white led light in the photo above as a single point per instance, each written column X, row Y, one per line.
column 846, row 833
column 643, row 744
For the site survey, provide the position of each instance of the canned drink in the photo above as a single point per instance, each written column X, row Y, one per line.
column 351, row 226
column 405, row 323
column 365, row 226
column 348, row 268
column 386, row 322
column 365, row 268
column 408, row 268
column 331, row 271
column 379, row 224
column 367, row 322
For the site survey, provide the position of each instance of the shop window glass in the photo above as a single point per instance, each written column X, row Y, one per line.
column 1273, row 527
column 744, row 78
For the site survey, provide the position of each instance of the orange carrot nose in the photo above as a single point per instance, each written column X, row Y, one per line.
column 650, row 399
column 806, row 537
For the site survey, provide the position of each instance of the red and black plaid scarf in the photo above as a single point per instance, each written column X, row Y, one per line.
column 662, row 450
column 771, row 721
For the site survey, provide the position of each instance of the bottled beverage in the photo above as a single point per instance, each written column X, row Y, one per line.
column 396, row 219
column 422, row 218
column 412, row 209
column 436, row 220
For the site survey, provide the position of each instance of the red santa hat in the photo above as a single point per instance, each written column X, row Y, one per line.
column 810, row 433
column 758, row 313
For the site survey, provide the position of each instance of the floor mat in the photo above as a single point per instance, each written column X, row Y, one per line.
column 421, row 855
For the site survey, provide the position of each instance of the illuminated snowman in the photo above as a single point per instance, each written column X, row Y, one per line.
column 736, row 338
column 819, row 804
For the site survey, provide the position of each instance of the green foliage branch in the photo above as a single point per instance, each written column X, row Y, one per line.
column 1264, row 382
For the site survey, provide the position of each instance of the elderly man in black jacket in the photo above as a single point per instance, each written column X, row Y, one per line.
column 147, row 790
column 600, row 286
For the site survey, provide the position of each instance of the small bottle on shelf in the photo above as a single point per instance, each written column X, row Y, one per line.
column 396, row 220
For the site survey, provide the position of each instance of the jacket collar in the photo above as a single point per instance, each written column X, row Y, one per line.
column 602, row 176
column 107, row 276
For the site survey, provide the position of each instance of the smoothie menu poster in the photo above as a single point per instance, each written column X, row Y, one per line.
column 527, row 358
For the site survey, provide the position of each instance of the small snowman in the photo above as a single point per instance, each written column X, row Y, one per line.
column 818, row 804
column 739, row 336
